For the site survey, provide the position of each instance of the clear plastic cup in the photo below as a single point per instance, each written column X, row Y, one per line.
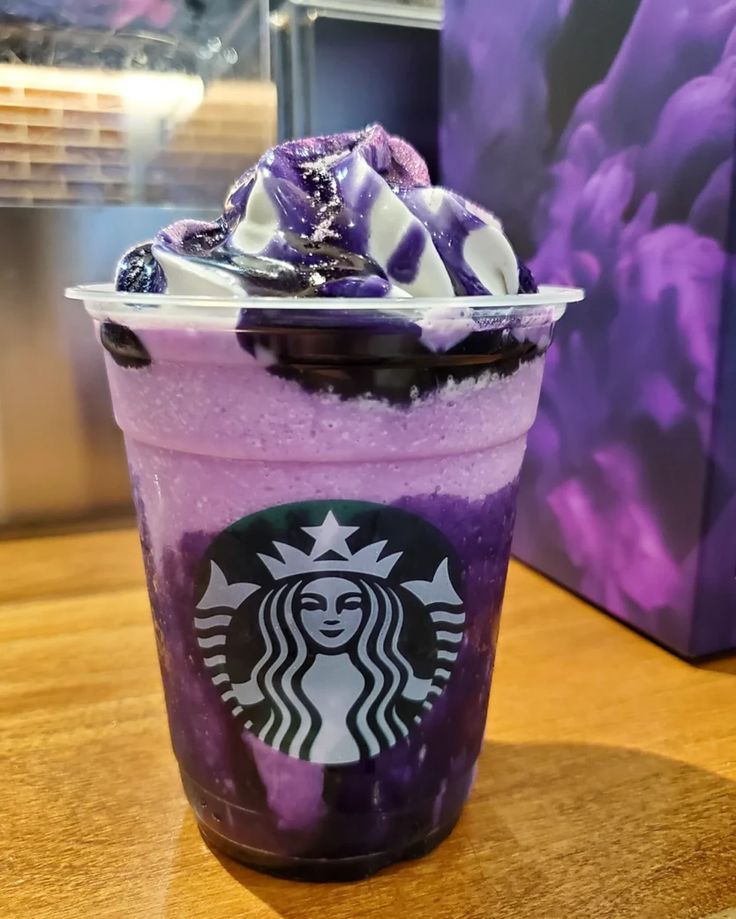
column 325, row 493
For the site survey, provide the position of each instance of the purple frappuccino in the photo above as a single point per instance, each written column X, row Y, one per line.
column 325, row 397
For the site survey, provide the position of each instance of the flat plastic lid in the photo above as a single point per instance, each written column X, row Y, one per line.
column 105, row 294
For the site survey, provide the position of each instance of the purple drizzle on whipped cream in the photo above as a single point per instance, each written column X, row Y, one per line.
column 350, row 215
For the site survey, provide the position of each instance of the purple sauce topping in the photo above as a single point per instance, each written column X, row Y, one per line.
column 139, row 271
column 124, row 346
column 404, row 263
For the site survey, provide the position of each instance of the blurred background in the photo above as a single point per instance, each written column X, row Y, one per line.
column 119, row 117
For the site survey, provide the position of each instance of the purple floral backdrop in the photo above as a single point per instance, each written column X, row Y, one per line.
column 603, row 134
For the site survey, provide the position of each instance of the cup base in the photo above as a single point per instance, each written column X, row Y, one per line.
column 322, row 870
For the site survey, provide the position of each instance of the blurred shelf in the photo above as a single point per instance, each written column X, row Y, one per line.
column 85, row 137
column 428, row 14
column 139, row 137
column 50, row 117
column 70, row 192
column 12, row 153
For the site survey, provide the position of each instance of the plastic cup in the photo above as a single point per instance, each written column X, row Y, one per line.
column 325, row 493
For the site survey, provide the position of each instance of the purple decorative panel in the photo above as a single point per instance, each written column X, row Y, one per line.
column 602, row 133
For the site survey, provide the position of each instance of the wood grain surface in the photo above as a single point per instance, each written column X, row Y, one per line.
column 606, row 787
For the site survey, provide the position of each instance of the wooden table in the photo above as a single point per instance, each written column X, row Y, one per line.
column 606, row 788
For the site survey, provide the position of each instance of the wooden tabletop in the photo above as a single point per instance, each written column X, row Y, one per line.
column 606, row 787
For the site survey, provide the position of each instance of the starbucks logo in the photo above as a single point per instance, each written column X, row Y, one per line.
column 329, row 628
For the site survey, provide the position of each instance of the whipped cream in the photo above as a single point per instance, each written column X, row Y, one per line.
column 349, row 215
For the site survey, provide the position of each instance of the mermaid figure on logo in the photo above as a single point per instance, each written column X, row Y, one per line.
column 332, row 675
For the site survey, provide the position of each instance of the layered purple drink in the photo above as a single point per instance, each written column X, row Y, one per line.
column 325, row 397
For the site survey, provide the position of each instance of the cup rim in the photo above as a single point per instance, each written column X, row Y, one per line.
column 547, row 296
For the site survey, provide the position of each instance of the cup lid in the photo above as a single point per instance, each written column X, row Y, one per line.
column 106, row 294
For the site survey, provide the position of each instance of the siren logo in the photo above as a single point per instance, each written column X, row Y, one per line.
column 330, row 628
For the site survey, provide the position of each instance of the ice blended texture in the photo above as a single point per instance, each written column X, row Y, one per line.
column 326, row 503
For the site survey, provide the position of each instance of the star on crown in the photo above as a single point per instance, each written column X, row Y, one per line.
column 330, row 553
